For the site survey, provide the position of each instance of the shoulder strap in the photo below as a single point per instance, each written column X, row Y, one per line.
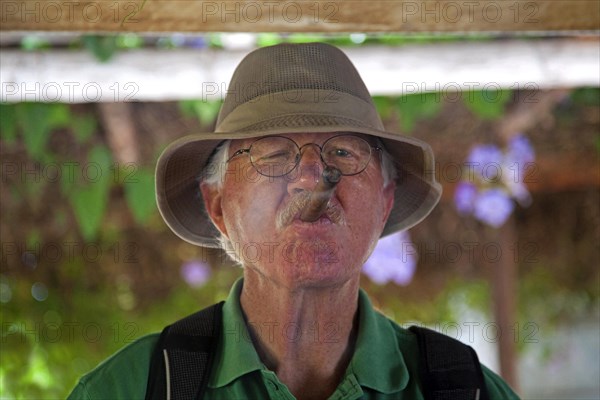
column 449, row 369
column 182, row 359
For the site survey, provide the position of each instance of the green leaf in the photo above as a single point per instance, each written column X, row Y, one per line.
column 214, row 39
column 32, row 118
column 89, row 207
column 59, row 115
column 70, row 175
column 129, row 41
column 34, row 238
column 139, row 195
column 38, row 371
column 83, row 127
column 102, row 47
column 487, row 104
column 431, row 105
column 304, row 38
column 8, row 123
column 34, row 42
column 268, row 39
column 187, row 108
column 90, row 199
column 586, row 96
column 383, row 106
column 101, row 156
column 205, row 111
column 37, row 120
column 414, row 107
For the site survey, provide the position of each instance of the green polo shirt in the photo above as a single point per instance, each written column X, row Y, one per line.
column 384, row 364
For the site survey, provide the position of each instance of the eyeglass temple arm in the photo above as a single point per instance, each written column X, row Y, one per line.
column 237, row 153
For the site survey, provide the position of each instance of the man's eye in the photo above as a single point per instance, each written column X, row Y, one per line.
column 275, row 156
column 342, row 153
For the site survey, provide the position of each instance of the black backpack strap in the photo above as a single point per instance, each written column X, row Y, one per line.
column 183, row 357
column 449, row 369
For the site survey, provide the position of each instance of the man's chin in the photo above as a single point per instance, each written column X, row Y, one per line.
column 314, row 277
column 314, row 248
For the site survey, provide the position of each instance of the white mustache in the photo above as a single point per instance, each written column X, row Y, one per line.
column 297, row 203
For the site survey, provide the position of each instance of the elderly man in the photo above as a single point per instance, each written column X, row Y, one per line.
column 297, row 325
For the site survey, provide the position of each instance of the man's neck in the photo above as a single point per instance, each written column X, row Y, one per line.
column 305, row 335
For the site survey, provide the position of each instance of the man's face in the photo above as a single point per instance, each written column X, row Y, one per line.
column 294, row 253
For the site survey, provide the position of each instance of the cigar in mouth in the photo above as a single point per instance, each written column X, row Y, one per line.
column 319, row 198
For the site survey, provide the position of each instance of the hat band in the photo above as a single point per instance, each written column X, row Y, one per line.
column 297, row 103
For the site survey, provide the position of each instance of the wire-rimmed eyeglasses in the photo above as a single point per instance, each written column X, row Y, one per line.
column 275, row 156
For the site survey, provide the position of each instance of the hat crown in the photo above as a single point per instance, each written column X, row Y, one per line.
column 290, row 68
column 291, row 88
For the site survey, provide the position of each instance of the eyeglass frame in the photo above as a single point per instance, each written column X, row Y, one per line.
column 247, row 150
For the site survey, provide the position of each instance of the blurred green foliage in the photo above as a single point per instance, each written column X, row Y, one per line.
column 409, row 109
column 586, row 96
column 47, row 345
column 415, row 107
column 102, row 47
column 89, row 180
column 105, row 46
column 90, row 199
column 139, row 193
column 487, row 104
column 36, row 122
column 205, row 111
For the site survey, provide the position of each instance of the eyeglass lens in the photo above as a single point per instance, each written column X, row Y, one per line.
column 277, row 155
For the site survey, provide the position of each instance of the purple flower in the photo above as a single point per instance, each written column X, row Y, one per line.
column 493, row 207
column 195, row 273
column 464, row 197
column 520, row 151
column 196, row 42
column 519, row 191
column 177, row 39
column 519, row 156
column 486, row 160
column 394, row 259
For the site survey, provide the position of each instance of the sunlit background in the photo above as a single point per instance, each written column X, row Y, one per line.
column 508, row 261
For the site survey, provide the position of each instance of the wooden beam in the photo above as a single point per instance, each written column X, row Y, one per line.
column 158, row 75
column 119, row 129
column 300, row 16
column 504, row 285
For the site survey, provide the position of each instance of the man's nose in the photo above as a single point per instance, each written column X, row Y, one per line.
column 309, row 170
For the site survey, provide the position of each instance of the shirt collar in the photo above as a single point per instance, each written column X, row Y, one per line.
column 377, row 362
column 235, row 354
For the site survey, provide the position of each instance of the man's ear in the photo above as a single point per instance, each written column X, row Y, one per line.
column 388, row 199
column 213, row 203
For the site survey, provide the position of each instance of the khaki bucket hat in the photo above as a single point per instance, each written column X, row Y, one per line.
column 282, row 89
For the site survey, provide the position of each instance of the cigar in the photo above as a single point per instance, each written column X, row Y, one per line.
column 319, row 198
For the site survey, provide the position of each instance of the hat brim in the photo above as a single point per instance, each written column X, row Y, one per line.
column 181, row 163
